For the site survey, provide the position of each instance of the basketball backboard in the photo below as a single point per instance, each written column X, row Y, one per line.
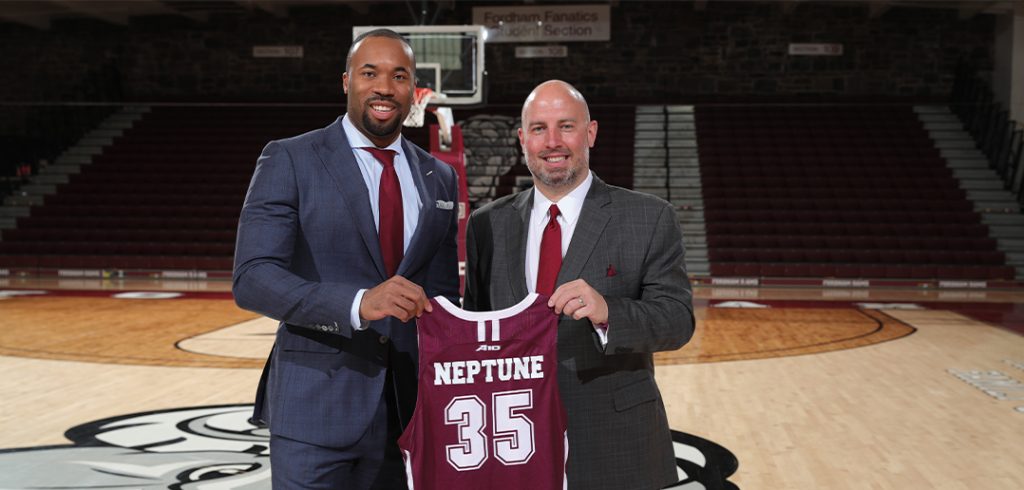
column 449, row 59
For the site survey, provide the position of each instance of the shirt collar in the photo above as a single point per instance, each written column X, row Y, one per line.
column 569, row 206
column 357, row 139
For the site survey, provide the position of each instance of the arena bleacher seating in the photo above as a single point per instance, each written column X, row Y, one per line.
column 165, row 195
column 841, row 191
column 789, row 191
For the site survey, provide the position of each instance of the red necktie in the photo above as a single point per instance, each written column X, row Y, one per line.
column 389, row 201
column 550, row 254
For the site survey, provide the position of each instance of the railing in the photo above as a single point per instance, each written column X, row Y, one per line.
column 1000, row 138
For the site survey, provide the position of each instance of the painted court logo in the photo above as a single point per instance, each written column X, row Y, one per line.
column 181, row 449
column 703, row 465
column 217, row 448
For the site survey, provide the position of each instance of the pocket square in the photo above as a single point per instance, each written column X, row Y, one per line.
column 445, row 205
column 611, row 271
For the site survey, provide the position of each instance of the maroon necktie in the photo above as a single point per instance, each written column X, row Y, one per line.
column 550, row 254
column 389, row 201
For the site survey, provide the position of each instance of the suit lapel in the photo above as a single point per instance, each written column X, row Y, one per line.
column 426, row 186
column 336, row 155
column 593, row 219
column 518, row 223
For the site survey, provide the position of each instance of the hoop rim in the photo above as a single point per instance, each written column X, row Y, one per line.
column 424, row 96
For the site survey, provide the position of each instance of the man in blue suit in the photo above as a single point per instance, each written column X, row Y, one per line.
column 345, row 233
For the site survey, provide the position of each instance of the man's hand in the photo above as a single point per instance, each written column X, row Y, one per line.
column 578, row 299
column 397, row 297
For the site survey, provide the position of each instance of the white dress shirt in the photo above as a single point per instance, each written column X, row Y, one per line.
column 569, row 208
column 371, row 171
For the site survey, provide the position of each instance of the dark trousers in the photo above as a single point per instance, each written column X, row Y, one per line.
column 374, row 462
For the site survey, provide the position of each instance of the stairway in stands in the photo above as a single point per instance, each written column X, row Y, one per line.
column 839, row 191
column 667, row 165
column 983, row 187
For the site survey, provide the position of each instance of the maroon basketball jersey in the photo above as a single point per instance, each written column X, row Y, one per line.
column 488, row 415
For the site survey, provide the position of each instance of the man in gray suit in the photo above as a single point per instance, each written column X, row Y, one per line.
column 612, row 262
column 345, row 233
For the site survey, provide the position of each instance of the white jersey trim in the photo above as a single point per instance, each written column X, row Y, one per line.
column 408, row 467
column 479, row 316
column 565, row 462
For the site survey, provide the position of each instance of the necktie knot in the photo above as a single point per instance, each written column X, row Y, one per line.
column 384, row 156
column 553, row 213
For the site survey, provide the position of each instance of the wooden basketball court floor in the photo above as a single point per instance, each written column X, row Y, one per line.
column 807, row 388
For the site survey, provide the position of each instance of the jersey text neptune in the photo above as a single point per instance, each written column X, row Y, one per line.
column 502, row 369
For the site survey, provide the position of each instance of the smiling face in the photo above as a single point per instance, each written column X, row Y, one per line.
column 556, row 137
column 380, row 86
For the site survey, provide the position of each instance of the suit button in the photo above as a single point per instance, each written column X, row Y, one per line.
column 383, row 339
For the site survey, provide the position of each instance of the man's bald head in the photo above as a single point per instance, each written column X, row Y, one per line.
column 555, row 89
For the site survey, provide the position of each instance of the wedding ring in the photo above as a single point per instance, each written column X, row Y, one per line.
column 580, row 299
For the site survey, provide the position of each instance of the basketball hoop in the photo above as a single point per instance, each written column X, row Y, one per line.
column 418, row 110
column 420, row 105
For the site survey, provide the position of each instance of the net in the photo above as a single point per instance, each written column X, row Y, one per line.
column 419, row 107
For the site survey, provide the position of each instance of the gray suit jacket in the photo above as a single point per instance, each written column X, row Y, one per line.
column 306, row 244
column 627, row 246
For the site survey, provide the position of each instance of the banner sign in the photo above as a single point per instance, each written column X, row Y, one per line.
column 277, row 51
column 560, row 51
column 815, row 49
column 528, row 23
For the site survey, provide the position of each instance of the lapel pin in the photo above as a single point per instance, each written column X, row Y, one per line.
column 611, row 271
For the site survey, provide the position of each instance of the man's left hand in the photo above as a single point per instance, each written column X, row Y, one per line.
column 579, row 300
